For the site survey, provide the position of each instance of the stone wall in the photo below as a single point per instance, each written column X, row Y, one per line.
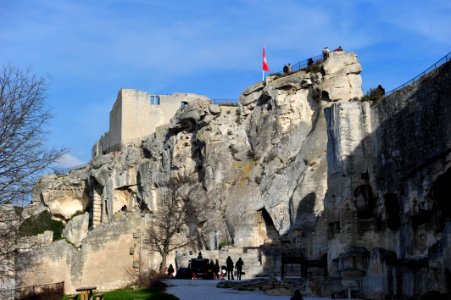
column 105, row 259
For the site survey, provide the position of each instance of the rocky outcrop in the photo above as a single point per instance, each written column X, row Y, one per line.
column 300, row 168
column 77, row 229
column 386, row 190
column 64, row 195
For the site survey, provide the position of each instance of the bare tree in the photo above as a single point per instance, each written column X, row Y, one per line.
column 176, row 218
column 23, row 156
column 23, row 116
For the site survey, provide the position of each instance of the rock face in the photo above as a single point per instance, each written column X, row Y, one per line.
column 9, row 224
column 355, row 191
column 77, row 229
column 64, row 195
column 386, row 190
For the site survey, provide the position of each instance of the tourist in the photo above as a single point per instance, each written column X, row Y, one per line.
column 229, row 263
column 200, row 255
column 216, row 269
column 211, row 269
column 338, row 49
column 326, row 52
column 297, row 295
column 171, row 271
column 239, row 268
column 285, row 69
column 380, row 92
column 289, row 68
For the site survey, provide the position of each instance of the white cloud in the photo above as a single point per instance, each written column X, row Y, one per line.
column 69, row 161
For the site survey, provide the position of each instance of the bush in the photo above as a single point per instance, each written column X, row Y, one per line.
column 374, row 95
column 38, row 224
column 48, row 292
column 144, row 278
column 224, row 243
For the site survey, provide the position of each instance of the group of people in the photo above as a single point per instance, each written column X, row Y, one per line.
column 214, row 269
column 220, row 272
column 326, row 51
column 238, row 265
column 287, row 69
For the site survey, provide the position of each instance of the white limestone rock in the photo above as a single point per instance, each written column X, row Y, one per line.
column 77, row 229
column 341, row 80
column 64, row 195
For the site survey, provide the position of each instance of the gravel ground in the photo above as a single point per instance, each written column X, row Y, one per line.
column 206, row 289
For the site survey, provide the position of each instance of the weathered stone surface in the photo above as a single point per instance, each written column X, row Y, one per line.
column 101, row 160
column 77, row 229
column 342, row 79
column 9, row 225
column 64, row 195
column 357, row 190
column 214, row 109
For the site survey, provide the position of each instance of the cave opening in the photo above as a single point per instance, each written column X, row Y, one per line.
column 393, row 211
column 440, row 193
column 365, row 201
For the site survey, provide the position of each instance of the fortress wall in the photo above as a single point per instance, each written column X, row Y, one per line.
column 136, row 115
column 113, row 135
column 133, row 116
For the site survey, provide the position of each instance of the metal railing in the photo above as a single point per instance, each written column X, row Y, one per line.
column 440, row 62
column 304, row 64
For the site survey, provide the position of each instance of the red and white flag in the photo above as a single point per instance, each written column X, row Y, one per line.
column 265, row 63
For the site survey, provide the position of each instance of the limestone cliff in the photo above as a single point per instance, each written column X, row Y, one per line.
column 299, row 167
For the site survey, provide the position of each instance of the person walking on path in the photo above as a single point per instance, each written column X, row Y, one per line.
column 239, row 268
column 217, row 269
column 171, row 271
column 229, row 264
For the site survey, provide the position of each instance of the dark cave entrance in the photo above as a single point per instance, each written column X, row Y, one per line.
column 441, row 194
column 393, row 211
column 364, row 201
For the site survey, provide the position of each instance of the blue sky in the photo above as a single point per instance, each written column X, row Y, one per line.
column 88, row 50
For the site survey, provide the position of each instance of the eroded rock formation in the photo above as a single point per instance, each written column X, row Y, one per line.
column 357, row 191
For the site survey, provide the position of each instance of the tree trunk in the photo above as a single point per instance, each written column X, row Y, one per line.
column 163, row 267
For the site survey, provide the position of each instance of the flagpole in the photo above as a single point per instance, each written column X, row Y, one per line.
column 263, row 69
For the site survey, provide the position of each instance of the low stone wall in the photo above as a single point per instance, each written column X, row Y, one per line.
column 104, row 259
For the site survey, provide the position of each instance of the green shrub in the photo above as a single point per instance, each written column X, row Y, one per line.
column 38, row 224
column 374, row 95
column 224, row 243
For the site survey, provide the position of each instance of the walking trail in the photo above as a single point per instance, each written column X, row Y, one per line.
column 206, row 289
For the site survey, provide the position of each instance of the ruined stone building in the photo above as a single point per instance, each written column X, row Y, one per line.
column 136, row 114
column 303, row 167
